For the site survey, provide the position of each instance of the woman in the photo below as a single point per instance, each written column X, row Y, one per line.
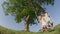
column 43, row 21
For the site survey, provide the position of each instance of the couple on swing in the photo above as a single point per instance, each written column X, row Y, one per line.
column 44, row 19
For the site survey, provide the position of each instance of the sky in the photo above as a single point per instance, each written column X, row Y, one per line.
column 9, row 22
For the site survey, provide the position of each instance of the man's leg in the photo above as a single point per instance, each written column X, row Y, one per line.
column 52, row 26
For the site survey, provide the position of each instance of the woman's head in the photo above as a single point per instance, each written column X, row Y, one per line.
column 43, row 13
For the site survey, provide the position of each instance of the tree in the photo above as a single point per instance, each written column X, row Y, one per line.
column 26, row 10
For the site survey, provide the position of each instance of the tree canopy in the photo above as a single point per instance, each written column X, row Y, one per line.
column 22, row 8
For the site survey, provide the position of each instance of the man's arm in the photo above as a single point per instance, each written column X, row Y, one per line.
column 48, row 15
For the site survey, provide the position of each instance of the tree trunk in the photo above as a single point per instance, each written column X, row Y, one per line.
column 26, row 25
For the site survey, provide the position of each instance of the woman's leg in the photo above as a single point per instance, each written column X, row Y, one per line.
column 44, row 28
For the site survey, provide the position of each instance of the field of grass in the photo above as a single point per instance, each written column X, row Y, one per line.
column 4, row 30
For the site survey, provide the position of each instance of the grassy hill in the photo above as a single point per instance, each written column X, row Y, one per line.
column 4, row 30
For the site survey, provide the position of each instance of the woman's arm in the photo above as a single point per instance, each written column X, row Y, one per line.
column 39, row 18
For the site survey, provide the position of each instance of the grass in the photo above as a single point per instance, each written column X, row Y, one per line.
column 4, row 30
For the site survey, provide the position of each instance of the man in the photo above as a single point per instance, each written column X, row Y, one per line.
column 49, row 21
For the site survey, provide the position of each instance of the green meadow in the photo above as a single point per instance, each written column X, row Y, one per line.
column 4, row 30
